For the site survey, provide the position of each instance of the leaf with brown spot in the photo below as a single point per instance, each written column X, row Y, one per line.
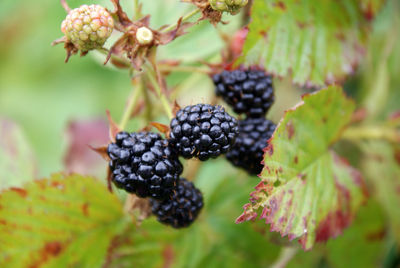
column 62, row 221
column 319, row 43
column 307, row 192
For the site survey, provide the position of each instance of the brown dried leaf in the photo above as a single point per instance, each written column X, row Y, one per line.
column 161, row 127
column 113, row 127
column 165, row 38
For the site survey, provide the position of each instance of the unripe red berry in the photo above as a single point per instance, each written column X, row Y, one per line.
column 88, row 27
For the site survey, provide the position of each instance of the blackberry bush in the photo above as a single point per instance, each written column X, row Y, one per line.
column 248, row 150
column 203, row 131
column 249, row 91
column 143, row 163
column 182, row 208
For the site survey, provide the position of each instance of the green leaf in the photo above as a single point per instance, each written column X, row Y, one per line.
column 319, row 41
column 382, row 169
column 17, row 163
column 307, row 191
column 64, row 221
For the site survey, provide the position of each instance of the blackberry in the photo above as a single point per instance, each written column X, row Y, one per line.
column 248, row 150
column 247, row 91
column 145, row 164
column 203, row 131
column 182, row 208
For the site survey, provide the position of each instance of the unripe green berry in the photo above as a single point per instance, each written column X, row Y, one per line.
column 231, row 6
column 144, row 36
column 88, row 27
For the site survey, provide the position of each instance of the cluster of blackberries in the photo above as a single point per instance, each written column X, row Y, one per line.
column 147, row 165
column 248, row 92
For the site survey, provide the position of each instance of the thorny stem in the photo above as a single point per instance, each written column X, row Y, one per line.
column 286, row 254
column 372, row 133
column 164, row 101
column 184, row 18
column 133, row 99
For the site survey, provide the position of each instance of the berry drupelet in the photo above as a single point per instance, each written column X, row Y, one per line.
column 182, row 208
column 247, row 91
column 248, row 150
column 203, row 131
column 145, row 164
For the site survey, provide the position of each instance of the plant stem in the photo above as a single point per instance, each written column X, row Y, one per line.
column 147, row 100
column 286, row 254
column 131, row 105
column 184, row 18
column 138, row 13
column 372, row 133
column 121, row 60
column 164, row 101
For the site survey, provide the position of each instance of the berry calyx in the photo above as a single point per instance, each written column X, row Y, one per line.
column 143, row 163
column 231, row 6
column 88, row 27
column 248, row 150
column 182, row 208
column 144, row 36
column 247, row 91
column 203, row 131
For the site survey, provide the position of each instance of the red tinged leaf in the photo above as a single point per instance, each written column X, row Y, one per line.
column 307, row 192
column 84, row 139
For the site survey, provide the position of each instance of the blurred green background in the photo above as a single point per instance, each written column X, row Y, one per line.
column 42, row 93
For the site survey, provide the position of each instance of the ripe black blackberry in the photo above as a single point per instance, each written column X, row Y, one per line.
column 247, row 91
column 182, row 208
column 145, row 164
column 203, row 130
column 247, row 151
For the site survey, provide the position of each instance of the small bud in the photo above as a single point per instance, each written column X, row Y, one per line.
column 144, row 36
